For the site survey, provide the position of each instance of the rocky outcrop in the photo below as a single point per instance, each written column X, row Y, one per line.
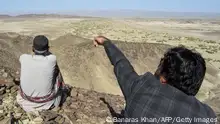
column 81, row 106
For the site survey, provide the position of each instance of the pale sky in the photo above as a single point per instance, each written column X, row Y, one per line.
column 56, row 6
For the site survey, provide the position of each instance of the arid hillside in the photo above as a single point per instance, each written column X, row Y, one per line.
column 82, row 62
column 86, row 66
column 12, row 45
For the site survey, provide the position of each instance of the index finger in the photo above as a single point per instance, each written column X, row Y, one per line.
column 95, row 43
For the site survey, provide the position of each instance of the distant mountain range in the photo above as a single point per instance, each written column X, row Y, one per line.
column 147, row 14
column 124, row 14
column 42, row 16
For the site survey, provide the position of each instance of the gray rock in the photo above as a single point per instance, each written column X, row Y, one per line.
column 17, row 73
column 25, row 121
column 9, row 85
column 71, row 117
column 67, row 110
column 82, row 107
column 66, row 122
column 1, row 117
column 18, row 115
column 50, row 122
column 81, row 97
column 60, row 120
column 68, row 99
column 10, row 107
column 8, row 91
column 10, row 80
column 61, row 111
column 2, row 91
column 67, row 104
column 14, row 89
column 17, row 79
column 18, row 110
column 1, row 111
column 2, row 71
column 48, row 116
column 5, row 75
column 73, row 93
column 5, row 121
column 56, row 109
column 24, row 117
column 79, row 121
column 38, row 120
column 1, row 107
column 74, row 105
column 8, row 115
column 89, row 100
column 6, row 94
column 80, row 115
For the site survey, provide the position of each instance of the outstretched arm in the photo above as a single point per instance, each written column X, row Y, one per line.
column 123, row 69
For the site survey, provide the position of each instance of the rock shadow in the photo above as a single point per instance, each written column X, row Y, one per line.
column 112, row 111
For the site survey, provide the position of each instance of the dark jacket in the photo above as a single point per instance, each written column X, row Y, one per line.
column 148, row 100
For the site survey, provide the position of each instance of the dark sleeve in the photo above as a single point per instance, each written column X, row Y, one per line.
column 123, row 69
column 57, row 70
column 57, row 74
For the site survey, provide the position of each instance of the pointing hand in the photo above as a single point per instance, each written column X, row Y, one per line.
column 99, row 40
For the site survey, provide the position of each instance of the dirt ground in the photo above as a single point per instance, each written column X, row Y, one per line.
column 71, row 40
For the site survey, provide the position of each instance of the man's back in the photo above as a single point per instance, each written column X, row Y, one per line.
column 151, row 99
column 39, row 78
column 37, row 74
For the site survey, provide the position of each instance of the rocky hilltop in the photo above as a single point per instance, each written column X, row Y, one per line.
column 81, row 106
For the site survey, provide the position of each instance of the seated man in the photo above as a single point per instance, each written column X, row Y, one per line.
column 40, row 80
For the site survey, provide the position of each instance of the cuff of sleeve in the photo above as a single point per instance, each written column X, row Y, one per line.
column 106, row 43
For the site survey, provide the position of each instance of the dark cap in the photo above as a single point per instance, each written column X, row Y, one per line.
column 40, row 44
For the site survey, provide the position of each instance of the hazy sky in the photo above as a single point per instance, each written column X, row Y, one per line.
column 56, row 6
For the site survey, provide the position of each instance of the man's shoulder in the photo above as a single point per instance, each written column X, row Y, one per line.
column 52, row 57
column 25, row 56
column 148, row 74
column 148, row 77
column 147, row 80
column 30, row 56
column 208, row 109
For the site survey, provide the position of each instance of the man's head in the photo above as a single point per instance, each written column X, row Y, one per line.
column 183, row 69
column 40, row 45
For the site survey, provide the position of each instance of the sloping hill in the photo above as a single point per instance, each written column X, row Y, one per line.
column 12, row 45
column 88, row 67
column 82, row 62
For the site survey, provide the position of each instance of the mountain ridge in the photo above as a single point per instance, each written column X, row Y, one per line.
column 123, row 13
